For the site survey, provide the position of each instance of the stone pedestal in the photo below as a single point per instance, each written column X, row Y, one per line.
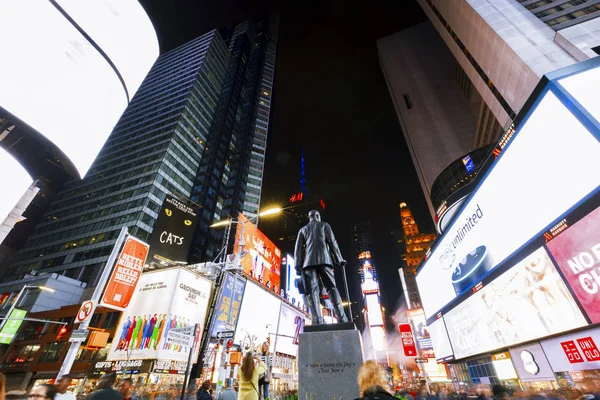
column 329, row 357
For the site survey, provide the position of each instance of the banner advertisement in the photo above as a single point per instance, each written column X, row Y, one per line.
column 11, row 327
column 417, row 316
column 526, row 302
column 577, row 253
column 440, row 340
column 259, row 316
column 408, row 341
column 531, row 363
column 168, row 299
column 291, row 325
column 126, row 274
column 262, row 261
column 227, row 313
column 574, row 352
column 172, row 234
column 481, row 237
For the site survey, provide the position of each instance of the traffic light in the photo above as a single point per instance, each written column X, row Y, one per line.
column 230, row 343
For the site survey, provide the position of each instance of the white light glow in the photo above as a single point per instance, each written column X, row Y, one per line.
column 584, row 88
column 439, row 339
column 532, row 184
column 505, row 369
column 374, row 310
column 14, row 181
column 54, row 79
column 378, row 338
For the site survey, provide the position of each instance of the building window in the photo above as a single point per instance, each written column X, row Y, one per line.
column 110, row 320
column 52, row 352
column 95, row 321
column 23, row 354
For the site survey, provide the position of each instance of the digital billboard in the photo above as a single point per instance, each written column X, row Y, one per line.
column 521, row 195
column 440, row 340
column 172, row 233
column 258, row 319
column 417, row 317
column 73, row 82
column 577, row 253
column 574, row 352
column 262, row 261
column 374, row 313
column 527, row 302
column 291, row 325
column 164, row 300
column 292, row 293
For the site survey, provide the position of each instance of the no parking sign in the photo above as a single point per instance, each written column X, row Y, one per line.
column 85, row 311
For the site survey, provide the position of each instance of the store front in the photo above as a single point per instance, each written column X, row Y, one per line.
column 575, row 359
column 533, row 368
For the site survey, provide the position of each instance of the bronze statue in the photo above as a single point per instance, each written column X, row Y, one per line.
column 316, row 252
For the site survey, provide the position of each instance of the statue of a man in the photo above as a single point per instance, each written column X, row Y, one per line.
column 316, row 252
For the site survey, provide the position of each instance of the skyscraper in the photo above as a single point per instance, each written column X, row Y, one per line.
column 415, row 245
column 230, row 177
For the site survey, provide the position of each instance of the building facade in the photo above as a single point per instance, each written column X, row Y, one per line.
column 414, row 244
column 196, row 129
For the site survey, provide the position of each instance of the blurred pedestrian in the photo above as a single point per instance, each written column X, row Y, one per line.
column 373, row 382
column 204, row 392
column 105, row 389
column 228, row 392
column 62, row 387
column 42, row 392
column 263, row 381
column 126, row 389
column 500, row 392
column 2, row 386
column 252, row 368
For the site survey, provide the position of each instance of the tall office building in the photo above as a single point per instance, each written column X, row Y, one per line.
column 415, row 244
column 501, row 49
column 231, row 171
column 154, row 149
column 362, row 237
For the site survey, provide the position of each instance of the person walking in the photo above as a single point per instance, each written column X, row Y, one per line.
column 126, row 389
column 373, row 382
column 204, row 392
column 105, row 390
column 42, row 392
column 263, row 381
column 62, row 386
column 248, row 377
column 228, row 392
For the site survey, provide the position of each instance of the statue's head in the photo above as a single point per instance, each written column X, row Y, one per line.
column 314, row 215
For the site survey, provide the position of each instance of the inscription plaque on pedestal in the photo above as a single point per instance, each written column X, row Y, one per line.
column 328, row 363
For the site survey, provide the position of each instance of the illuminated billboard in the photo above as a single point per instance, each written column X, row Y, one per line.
column 73, row 68
column 14, row 185
column 291, row 290
column 577, row 253
column 164, row 300
column 529, row 186
column 291, row 325
column 374, row 313
column 262, row 261
column 527, row 302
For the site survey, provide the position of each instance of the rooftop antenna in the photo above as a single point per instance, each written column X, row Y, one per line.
column 302, row 173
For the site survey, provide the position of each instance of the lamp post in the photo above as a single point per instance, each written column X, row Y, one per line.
column 16, row 302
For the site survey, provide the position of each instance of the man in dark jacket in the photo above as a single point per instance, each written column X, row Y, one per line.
column 105, row 390
column 315, row 254
column 204, row 392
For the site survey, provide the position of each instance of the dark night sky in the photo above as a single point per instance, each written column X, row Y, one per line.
column 330, row 97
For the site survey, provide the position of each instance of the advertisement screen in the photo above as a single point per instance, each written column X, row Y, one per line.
column 228, row 311
column 374, row 310
column 408, row 340
column 11, row 327
column 574, row 352
column 79, row 96
column 291, row 290
column 262, row 261
column 291, row 325
column 126, row 274
column 577, row 253
column 172, row 234
column 421, row 330
column 440, row 340
column 164, row 300
column 259, row 316
column 527, row 302
column 499, row 218
column 531, row 363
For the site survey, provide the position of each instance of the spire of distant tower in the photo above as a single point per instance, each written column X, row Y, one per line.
column 302, row 173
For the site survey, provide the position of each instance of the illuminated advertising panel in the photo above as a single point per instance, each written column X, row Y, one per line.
column 164, row 300
column 63, row 83
column 126, row 274
column 291, row 290
column 574, row 352
column 417, row 316
column 228, row 305
column 12, row 325
column 172, row 233
column 577, row 253
column 526, row 302
column 258, row 319
column 498, row 218
column 408, row 340
column 262, row 261
column 374, row 310
column 440, row 340
column 291, row 325
column 531, row 363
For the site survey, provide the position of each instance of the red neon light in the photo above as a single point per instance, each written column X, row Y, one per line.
column 296, row 197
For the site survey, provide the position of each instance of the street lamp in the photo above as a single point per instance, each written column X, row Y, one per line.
column 16, row 302
column 269, row 211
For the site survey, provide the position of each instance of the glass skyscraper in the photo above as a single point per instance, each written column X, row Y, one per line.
column 192, row 117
